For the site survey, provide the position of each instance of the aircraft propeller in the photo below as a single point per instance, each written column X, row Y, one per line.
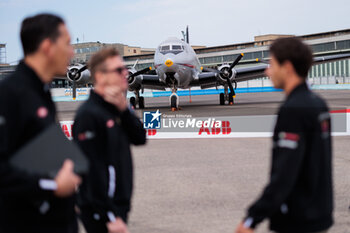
column 73, row 76
column 227, row 73
column 140, row 72
column 74, row 72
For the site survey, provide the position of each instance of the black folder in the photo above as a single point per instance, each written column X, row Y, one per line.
column 45, row 154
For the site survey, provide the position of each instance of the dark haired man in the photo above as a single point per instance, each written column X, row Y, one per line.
column 299, row 196
column 104, row 128
column 28, row 202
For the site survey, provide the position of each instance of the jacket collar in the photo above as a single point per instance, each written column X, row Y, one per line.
column 31, row 77
column 99, row 100
column 300, row 88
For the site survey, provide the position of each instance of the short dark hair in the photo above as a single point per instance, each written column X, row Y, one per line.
column 96, row 62
column 37, row 28
column 294, row 50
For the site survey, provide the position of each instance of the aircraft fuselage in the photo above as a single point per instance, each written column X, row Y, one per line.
column 176, row 63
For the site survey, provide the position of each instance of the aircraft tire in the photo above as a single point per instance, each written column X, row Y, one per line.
column 141, row 102
column 230, row 99
column 133, row 102
column 222, row 99
column 173, row 101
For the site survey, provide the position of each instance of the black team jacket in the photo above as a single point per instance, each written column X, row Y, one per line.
column 105, row 135
column 27, row 201
column 299, row 195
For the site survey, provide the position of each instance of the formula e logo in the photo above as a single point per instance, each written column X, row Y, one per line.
column 151, row 120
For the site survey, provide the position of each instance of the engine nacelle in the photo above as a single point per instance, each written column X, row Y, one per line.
column 226, row 72
column 81, row 78
column 134, row 83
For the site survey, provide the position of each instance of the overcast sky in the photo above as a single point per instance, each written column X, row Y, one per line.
column 146, row 23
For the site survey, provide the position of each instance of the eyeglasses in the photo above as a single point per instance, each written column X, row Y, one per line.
column 118, row 70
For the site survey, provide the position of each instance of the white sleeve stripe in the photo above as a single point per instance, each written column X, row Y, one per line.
column 248, row 222
column 111, row 216
column 47, row 184
column 45, row 206
column 2, row 120
column 111, row 188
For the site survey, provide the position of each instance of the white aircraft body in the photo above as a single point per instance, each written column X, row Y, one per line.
column 177, row 66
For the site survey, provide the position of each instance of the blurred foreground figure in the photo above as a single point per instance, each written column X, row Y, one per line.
column 299, row 195
column 104, row 128
column 29, row 202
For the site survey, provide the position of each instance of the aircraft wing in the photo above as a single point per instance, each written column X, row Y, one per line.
column 252, row 72
column 206, row 79
column 209, row 78
column 61, row 77
column 150, row 81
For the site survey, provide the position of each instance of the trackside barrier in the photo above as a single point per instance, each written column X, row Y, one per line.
column 231, row 127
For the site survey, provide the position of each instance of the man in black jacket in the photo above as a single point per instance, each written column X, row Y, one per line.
column 299, row 196
column 104, row 128
column 28, row 202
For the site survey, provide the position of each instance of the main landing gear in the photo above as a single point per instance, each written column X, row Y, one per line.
column 227, row 97
column 137, row 100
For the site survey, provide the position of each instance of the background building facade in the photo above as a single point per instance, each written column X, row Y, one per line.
column 84, row 51
column 322, row 44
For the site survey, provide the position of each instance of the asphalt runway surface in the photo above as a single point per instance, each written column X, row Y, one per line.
column 246, row 104
column 205, row 185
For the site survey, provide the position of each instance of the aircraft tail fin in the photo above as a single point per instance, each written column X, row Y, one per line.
column 187, row 35
column 137, row 61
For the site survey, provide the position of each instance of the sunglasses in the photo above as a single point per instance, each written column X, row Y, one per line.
column 118, row 70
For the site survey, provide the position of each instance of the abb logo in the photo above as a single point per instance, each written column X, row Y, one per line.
column 151, row 132
column 225, row 129
column 67, row 129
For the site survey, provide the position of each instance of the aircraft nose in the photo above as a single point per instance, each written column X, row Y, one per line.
column 169, row 62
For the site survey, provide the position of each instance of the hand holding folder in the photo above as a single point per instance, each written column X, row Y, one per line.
column 66, row 180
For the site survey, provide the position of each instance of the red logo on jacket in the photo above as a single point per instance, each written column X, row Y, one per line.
column 42, row 112
column 110, row 123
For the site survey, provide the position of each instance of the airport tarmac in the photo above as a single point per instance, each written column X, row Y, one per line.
column 246, row 104
column 205, row 185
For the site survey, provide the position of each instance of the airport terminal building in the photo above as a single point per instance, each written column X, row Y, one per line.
column 326, row 43
column 83, row 51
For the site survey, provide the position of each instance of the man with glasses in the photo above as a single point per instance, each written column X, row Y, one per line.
column 104, row 128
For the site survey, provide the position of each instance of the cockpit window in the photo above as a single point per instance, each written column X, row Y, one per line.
column 165, row 48
column 171, row 48
column 176, row 47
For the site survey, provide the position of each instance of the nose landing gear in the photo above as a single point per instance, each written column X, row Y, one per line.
column 174, row 101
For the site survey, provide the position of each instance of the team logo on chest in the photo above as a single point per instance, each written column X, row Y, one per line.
column 42, row 112
column 110, row 123
column 288, row 140
column 86, row 136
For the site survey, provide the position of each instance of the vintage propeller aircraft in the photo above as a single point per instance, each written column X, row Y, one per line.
column 177, row 66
